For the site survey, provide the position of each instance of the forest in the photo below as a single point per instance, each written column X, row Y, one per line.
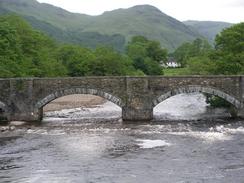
column 26, row 52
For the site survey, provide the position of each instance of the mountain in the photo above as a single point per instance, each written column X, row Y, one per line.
column 113, row 28
column 143, row 20
column 60, row 24
column 208, row 29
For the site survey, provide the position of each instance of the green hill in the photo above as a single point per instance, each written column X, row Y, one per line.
column 208, row 29
column 143, row 20
column 113, row 28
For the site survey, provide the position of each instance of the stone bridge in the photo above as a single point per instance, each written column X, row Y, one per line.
column 24, row 98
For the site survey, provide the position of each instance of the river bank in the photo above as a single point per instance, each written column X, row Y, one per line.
column 74, row 101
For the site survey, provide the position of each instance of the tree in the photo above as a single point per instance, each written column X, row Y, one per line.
column 146, row 55
column 229, row 51
column 110, row 63
column 182, row 53
column 198, row 48
column 75, row 59
column 200, row 65
column 26, row 52
column 155, row 52
column 10, row 49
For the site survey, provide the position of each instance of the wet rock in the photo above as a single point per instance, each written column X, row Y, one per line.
column 11, row 128
column 4, row 128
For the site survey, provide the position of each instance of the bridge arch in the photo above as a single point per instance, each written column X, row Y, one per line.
column 61, row 93
column 199, row 89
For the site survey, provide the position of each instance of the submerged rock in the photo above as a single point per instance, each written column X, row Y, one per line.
column 7, row 128
column 4, row 128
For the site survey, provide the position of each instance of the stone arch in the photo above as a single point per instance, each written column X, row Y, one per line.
column 192, row 89
column 60, row 93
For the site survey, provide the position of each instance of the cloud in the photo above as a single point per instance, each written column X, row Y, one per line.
column 237, row 3
column 215, row 10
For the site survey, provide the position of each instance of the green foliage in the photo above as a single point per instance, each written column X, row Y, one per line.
column 229, row 54
column 176, row 71
column 109, row 62
column 227, row 57
column 216, row 101
column 155, row 52
column 146, row 55
column 199, row 47
column 75, row 59
column 152, row 67
column 181, row 54
column 10, row 49
column 200, row 65
column 94, row 39
column 114, row 28
column 104, row 61
column 25, row 52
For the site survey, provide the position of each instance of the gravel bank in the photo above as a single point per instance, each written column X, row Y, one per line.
column 74, row 101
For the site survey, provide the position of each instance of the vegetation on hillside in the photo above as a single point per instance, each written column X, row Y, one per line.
column 227, row 56
column 209, row 29
column 187, row 51
column 27, row 52
column 113, row 28
column 146, row 55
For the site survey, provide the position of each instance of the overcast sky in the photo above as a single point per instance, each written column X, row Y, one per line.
column 216, row 10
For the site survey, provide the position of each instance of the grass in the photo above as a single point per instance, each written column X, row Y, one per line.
column 176, row 71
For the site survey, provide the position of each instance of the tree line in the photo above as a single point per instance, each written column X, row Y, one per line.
column 26, row 52
column 226, row 57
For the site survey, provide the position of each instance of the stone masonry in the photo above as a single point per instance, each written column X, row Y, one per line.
column 24, row 98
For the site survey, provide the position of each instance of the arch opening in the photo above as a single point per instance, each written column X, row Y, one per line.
column 198, row 89
column 184, row 100
column 78, row 99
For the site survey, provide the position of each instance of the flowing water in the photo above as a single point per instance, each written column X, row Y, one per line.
column 186, row 142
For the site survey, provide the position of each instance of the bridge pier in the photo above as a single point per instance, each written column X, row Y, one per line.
column 240, row 113
column 25, row 116
column 24, row 113
column 130, row 114
column 138, row 105
column 20, row 105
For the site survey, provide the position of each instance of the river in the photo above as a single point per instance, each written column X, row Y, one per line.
column 186, row 143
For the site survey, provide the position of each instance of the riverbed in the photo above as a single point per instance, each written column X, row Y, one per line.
column 186, row 142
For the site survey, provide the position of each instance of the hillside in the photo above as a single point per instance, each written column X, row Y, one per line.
column 113, row 28
column 143, row 20
column 208, row 29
